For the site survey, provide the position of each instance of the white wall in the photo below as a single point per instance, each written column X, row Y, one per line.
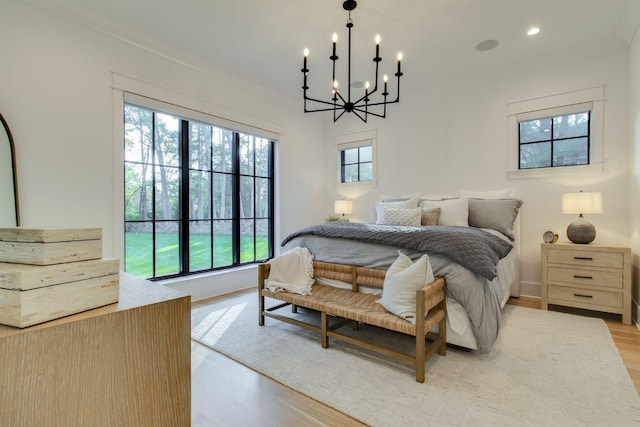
column 458, row 139
column 56, row 94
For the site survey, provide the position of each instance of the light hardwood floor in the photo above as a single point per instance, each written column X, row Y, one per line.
column 226, row 393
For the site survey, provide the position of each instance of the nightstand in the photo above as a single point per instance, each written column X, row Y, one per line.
column 592, row 277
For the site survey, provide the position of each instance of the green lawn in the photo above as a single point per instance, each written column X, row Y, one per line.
column 139, row 247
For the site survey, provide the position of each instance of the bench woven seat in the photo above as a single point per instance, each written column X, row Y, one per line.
column 348, row 306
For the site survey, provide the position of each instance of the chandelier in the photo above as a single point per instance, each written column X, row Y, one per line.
column 360, row 106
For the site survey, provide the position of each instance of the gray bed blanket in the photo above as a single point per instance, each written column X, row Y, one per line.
column 470, row 247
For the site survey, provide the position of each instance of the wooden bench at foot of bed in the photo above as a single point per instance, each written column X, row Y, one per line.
column 348, row 306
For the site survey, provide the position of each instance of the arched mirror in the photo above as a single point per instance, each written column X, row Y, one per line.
column 9, row 208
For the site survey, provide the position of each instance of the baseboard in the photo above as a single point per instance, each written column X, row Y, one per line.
column 530, row 289
column 205, row 286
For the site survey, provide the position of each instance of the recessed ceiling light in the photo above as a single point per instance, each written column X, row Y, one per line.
column 533, row 31
column 487, row 45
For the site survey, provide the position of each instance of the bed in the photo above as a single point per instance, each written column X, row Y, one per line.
column 472, row 241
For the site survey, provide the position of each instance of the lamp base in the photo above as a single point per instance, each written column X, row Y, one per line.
column 581, row 231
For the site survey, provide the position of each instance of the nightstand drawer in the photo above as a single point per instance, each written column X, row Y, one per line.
column 586, row 258
column 584, row 296
column 610, row 279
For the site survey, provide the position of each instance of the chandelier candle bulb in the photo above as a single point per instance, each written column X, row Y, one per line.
column 399, row 60
column 377, row 46
column 335, row 39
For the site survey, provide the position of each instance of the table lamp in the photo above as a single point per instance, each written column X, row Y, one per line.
column 342, row 208
column 581, row 231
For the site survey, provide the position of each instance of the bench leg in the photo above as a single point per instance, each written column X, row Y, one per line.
column 324, row 322
column 420, row 360
column 294, row 308
column 442, row 330
column 260, row 309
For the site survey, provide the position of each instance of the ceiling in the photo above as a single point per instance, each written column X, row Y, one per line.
column 263, row 40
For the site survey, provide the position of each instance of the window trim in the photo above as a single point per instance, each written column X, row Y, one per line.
column 549, row 106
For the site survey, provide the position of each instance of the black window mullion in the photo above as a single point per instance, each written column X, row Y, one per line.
column 183, row 194
column 235, row 192
column 553, row 143
column 589, row 138
column 272, row 175
column 211, row 201
column 153, row 192
column 255, row 201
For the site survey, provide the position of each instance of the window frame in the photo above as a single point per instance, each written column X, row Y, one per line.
column 347, row 142
column 557, row 105
column 552, row 140
column 358, row 163
column 184, row 219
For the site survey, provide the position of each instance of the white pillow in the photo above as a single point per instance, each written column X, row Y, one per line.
column 403, row 279
column 403, row 204
column 452, row 211
column 385, row 198
column 436, row 197
column 397, row 216
column 505, row 193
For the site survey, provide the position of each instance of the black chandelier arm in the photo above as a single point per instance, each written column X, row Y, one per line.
column 335, row 119
column 398, row 74
column 375, row 104
column 371, row 113
column 355, row 111
column 363, row 97
column 307, row 110
column 344, row 101
column 307, row 98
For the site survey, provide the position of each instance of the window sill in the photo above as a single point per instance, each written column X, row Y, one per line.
column 556, row 172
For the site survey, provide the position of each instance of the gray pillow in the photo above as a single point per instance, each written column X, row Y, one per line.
column 497, row 214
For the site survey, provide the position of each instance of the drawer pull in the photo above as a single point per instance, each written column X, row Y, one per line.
column 575, row 276
column 583, row 296
column 583, row 258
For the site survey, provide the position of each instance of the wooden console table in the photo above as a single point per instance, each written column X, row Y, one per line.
column 125, row 364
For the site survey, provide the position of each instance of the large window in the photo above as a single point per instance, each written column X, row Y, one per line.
column 562, row 140
column 198, row 197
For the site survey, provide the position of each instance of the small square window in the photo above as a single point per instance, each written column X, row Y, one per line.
column 356, row 164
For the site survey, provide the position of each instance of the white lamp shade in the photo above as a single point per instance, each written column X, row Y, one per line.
column 343, row 207
column 582, row 203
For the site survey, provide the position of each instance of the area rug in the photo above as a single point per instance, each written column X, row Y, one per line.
column 547, row 368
